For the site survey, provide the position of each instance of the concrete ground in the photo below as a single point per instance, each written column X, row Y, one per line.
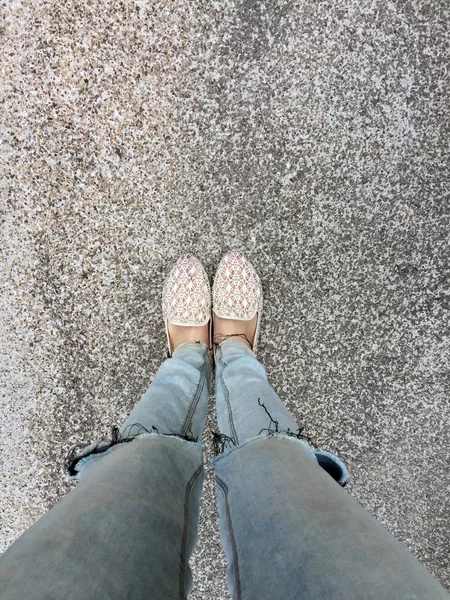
column 313, row 136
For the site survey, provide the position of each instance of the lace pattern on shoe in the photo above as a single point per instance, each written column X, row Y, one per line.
column 237, row 288
column 186, row 294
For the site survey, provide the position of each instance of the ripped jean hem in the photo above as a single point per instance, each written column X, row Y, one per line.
column 327, row 460
column 100, row 450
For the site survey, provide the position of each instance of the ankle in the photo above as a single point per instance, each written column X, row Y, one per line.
column 182, row 334
column 235, row 328
column 219, row 338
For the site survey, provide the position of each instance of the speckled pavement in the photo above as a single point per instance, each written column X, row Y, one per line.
column 311, row 135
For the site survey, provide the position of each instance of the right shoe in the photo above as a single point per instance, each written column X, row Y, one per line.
column 186, row 298
column 237, row 292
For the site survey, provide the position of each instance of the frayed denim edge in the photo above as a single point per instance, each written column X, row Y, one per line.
column 278, row 436
column 87, row 458
column 311, row 452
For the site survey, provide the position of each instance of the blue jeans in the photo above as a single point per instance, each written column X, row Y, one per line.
column 288, row 528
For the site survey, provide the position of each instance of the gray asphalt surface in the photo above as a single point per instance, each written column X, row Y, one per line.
column 311, row 135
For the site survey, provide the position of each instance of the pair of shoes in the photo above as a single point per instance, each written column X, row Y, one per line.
column 236, row 296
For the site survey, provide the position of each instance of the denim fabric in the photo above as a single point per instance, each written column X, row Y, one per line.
column 248, row 407
column 129, row 527
column 288, row 529
column 177, row 400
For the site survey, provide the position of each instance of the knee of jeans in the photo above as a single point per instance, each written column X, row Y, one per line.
column 78, row 458
column 329, row 462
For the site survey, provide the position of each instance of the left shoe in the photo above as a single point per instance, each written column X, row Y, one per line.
column 186, row 298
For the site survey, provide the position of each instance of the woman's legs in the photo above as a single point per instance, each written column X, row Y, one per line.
column 288, row 529
column 129, row 527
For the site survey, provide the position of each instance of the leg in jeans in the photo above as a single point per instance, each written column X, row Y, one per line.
column 288, row 529
column 129, row 527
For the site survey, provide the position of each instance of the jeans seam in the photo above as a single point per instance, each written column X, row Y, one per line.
column 227, row 397
column 194, row 403
column 193, row 480
column 223, row 486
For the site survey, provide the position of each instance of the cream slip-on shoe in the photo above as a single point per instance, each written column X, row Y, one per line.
column 237, row 291
column 186, row 298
